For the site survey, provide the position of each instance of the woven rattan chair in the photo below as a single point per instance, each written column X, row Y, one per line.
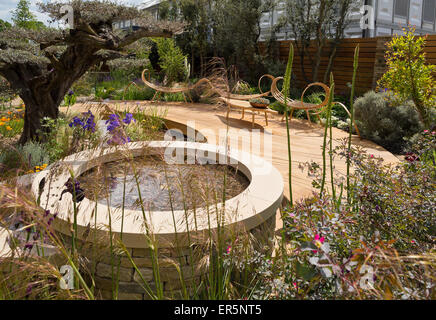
column 301, row 105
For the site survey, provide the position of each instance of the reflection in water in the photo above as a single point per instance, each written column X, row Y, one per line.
column 161, row 185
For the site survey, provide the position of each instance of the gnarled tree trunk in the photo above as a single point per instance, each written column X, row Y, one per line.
column 38, row 106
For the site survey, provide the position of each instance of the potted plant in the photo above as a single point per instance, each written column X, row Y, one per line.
column 260, row 103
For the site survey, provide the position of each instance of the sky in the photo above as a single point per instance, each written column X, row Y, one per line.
column 7, row 6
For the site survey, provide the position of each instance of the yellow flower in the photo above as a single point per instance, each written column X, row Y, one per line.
column 8, row 128
column 2, row 123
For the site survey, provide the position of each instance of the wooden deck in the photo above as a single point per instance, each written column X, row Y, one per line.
column 306, row 139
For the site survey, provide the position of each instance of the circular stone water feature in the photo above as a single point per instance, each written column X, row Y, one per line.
column 161, row 186
column 175, row 232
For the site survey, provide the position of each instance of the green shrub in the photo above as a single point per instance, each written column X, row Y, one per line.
column 171, row 60
column 11, row 128
column 135, row 93
column 28, row 156
column 384, row 124
column 84, row 86
column 299, row 114
column 275, row 67
column 331, row 247
column 260, row 101
column 173, row 97
column 409, row 75
column 242, row 87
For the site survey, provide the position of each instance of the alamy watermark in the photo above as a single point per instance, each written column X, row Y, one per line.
column 67, row 279
column 251, row 147
column 67, row 20
column 367, row 20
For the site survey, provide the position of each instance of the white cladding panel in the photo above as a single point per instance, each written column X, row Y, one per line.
column 385, row 10
column 415, row 15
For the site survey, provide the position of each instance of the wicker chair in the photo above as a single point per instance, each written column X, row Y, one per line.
column 301, row 105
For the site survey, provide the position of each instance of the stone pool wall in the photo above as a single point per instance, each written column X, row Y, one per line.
column 130, row 285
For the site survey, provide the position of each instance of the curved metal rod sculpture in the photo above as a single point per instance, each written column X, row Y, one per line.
column 301, row 105
column 229, row 95
column 128, row 86
column 159, row 89
column 349, row 115
column 271, row 77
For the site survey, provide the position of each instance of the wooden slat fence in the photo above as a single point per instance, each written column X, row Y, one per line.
column 371, row 62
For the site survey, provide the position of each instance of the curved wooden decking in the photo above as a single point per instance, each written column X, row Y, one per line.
column 306, row 138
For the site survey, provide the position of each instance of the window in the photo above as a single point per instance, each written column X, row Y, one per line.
column 385, row 8
column 401, row 8
column 415, row 14
column 429, row 10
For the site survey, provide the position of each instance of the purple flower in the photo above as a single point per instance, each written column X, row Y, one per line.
column 36, row 235
column 128, row 118
column 77, row 122
column 118, row 138
column 75, row 189
column 90, row 123
column 29, row 290
column 113, row 121
column 50, row 220
column 70, row 93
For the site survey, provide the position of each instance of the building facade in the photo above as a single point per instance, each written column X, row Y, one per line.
column 385, row 18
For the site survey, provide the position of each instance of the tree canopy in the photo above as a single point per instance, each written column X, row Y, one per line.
column 320, row 23
column 4, row 25
column 43, row 64
column 24, row 18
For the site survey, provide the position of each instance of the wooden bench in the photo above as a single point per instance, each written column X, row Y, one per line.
column 246, row 106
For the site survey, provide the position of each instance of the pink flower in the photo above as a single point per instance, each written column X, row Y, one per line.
column 295, row 285
column 426, row 131
column 229, row 249
column 371, row 156
column 318, row 241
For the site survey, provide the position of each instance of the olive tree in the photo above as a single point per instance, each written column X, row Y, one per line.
column 317, row 24
column 43, row 64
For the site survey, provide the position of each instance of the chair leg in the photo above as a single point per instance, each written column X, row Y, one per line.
column 319, row 118
column 308, row 116
column 252, row 120
column 357, row 129
column 266, row 118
